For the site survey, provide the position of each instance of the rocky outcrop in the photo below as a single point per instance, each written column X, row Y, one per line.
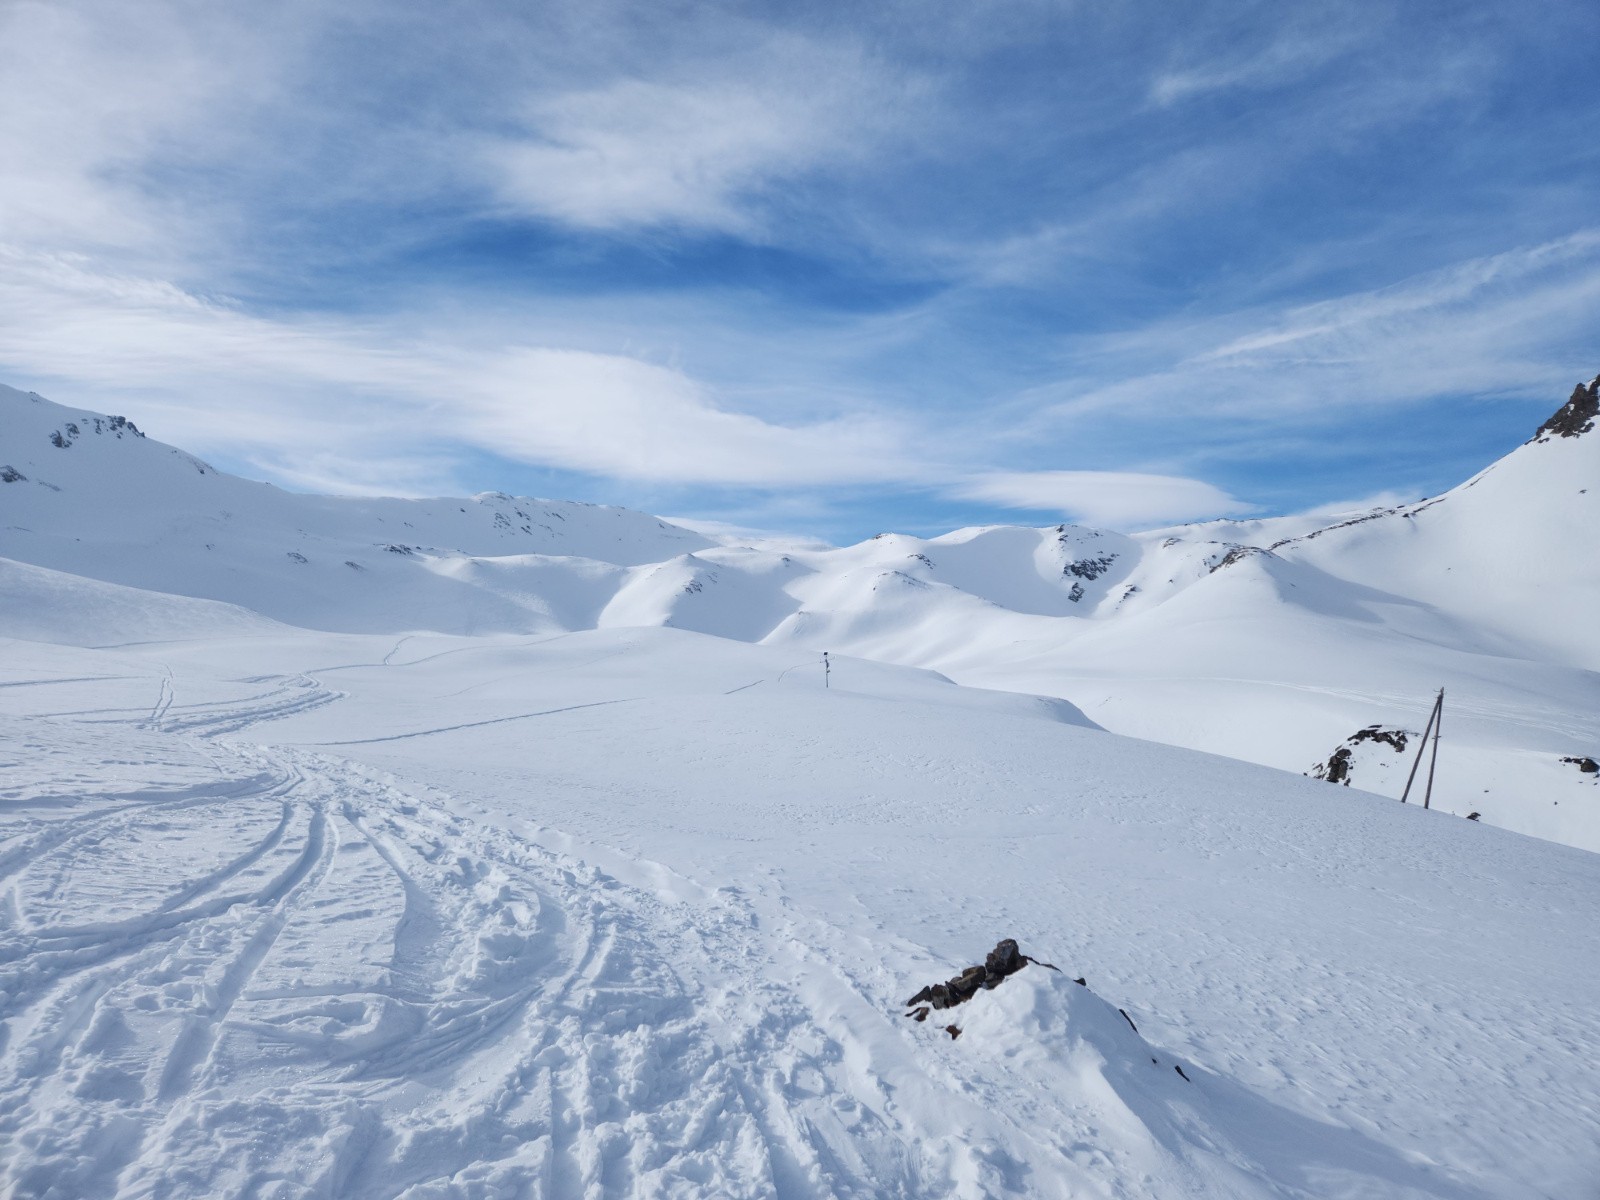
column 1341, row 763
column 1574, row 418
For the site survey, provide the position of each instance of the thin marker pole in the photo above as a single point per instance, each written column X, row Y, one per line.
column 1427, row 797
column 1421, row 748
column 827, row 669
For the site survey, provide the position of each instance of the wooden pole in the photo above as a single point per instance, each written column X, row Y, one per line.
column 1438, row 708
column 1421, row 749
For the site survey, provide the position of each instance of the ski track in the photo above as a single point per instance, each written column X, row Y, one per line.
column 309, row 981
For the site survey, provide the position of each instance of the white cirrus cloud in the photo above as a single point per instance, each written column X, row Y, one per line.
column 701, row 148
column 1109, row 499
column 630, row 419
column 313, row 400
column 1513, row 324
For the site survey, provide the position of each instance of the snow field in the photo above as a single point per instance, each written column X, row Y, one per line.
column 632, row 912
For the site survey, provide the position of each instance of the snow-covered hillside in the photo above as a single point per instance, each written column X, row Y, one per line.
column 1272, row 641
column 634, row 913
column 365, row 849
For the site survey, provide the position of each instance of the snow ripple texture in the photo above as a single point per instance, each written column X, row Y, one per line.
column 351, row 994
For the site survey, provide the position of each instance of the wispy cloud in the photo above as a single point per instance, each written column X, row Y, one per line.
column 1484, row 327
column 620, row 417
column 1106, row 499
column 1288, row 55
column 372, row 405
column 702, row 146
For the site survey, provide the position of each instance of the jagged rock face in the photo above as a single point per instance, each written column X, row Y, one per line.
column 1576, row 417
column 1336, row 769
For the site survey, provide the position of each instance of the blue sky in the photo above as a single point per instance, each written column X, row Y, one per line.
column 803, row 267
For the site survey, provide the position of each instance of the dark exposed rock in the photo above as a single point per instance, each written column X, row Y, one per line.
column 1005, row 959
column 70, row 431
column 1574, row 418
column 400, row 549
column 1089, row 568
column 1377, row 733
column 1473, row 816
column 1587, row 765
column 9, row 474
column 1076, row 593
column 116, row 426
column 297, row 556
column 1337, row 768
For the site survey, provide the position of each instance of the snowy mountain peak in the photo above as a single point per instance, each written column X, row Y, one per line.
column 1574, row 418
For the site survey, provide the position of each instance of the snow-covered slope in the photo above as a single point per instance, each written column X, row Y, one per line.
column 90, row 495
column 1515, row 550
column 477, row 869
column 1272, row 641
column 634, row 912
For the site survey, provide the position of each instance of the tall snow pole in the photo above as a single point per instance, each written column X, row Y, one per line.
column 1423, row 746
column 1438, row 724
column 827, row 669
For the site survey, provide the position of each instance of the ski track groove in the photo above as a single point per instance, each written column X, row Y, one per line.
column 401, row 737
